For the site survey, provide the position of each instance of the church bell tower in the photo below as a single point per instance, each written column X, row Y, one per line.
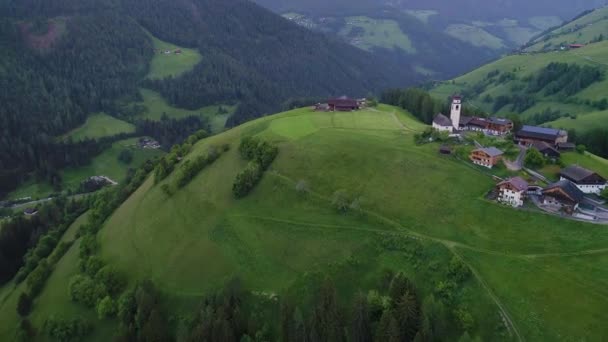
column 455, row 111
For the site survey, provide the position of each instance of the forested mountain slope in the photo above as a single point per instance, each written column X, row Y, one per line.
column 65, row 59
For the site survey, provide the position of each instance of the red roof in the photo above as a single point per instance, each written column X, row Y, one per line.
column 576, row 45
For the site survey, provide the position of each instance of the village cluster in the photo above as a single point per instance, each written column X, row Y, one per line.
column 576, row 184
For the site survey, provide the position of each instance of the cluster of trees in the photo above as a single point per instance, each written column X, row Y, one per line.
column 564, row 79
column 260, row 155
column 24, row 242
column 169, row 132
column 166, row 164
column 191, row 168
column 67, row 329
column 596, row 140
column 548, row 115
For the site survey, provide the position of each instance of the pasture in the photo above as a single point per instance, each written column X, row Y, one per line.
column 166, row 62
column 99, row 125
column 277, row 235
column 156, row 107
column 475, row 35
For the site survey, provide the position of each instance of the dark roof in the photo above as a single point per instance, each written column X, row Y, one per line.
column 577, row 174
column 517, row 182
column 442, row 120
column 566, row 146
column 456, row 97
column 544, row 147
column 500, row 121
column 491, row 151
column 464, row 120
column 342, row 101
column 480, row 122
column 539, row 132
column 569, row 188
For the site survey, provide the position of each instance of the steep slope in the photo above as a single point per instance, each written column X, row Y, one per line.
column 197, row 238
column 588, row 28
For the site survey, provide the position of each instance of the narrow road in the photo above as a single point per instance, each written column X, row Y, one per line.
column 518, row 164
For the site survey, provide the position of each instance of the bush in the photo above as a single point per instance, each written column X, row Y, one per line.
column 581, row 149
column 24, row 305
column 36, row 280
column 86, row 291
column 246, row 180
column 302, row 186
column 111, row 279
column 106, row 308
column 67, row 330
column 340, row 201
column 604, row 194
column 91, row 265
column 458, row 270
column 534, row 158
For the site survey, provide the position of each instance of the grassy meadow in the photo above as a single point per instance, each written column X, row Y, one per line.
column 98, row 126
column 156, row 106
column 475, row 35
column 171, row 64
column 277, row 236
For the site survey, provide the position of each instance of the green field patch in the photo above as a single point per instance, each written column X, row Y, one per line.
column 107, row 164
column 550, row 298
column 171, row 60
column 475, row 36
column 157, row 107
column 287, row 129
column 98, row 126
column 367, row 33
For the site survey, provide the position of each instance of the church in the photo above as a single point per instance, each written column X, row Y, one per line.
column 458, row 123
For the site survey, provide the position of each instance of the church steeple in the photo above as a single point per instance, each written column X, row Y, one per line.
column 456, row 110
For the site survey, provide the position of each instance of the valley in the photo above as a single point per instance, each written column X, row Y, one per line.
column 191, row 173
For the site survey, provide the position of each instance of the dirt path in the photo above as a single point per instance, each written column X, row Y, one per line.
column 518, row 164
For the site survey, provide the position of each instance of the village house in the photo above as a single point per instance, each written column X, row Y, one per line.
column 546, row 150
column 486, row 156
column 530, row 134
column 322, row 107
column 587, row 181
column 563, row 195
column 512, row 191
column 457, row 123
column 342, row 104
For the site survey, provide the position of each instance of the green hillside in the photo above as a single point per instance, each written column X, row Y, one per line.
column 512, row 75
column 276, row 235
column 584, row 30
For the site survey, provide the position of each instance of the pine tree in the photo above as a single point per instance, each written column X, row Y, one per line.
column 360, row 330
column 24, row 305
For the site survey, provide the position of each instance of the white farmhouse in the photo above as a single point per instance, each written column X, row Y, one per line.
column 587, row 181
column 512, row 191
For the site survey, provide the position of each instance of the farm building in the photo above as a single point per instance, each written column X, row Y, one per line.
column 587, row 181
column 487, row 156
column 576, row 46
column 546, row 149
column 322, row 107
column 530, row 134
column 343, row 104
column 564, row 195
column 512, row 191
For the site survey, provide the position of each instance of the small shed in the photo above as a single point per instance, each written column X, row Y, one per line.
column 445, row 149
